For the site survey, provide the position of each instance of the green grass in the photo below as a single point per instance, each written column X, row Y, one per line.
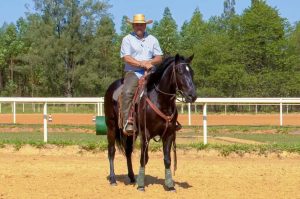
column 92, row 142
column 281, row 135
column 269, row 138
column 278, row 142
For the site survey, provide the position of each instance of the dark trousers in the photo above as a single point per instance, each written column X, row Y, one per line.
column 130, row 85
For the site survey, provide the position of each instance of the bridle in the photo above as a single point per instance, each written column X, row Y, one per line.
column 177, row 90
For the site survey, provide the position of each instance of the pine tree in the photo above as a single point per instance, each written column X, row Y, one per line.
column 166, row 33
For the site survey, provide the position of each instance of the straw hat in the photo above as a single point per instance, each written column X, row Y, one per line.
column 139, row 18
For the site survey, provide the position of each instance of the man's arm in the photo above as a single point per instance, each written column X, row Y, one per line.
column 156, row 60
column 132, row 62
column 143, row 64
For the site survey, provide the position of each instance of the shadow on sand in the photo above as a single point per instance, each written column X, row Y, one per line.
column 150, row 180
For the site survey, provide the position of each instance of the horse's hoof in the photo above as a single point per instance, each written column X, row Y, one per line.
column 113, row 184
column 132, row 181
column 171, row 189
column 141, row 189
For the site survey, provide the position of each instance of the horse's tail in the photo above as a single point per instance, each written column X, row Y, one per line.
column 121, row 141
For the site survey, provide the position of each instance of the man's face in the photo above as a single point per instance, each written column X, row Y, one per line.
column 139, row 29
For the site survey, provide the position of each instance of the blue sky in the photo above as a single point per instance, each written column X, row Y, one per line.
column 11, row 10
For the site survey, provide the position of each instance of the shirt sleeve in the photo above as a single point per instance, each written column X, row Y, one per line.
column 156, row 48
column 125, row 47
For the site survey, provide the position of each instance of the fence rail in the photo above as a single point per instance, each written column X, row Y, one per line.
column 201, row 101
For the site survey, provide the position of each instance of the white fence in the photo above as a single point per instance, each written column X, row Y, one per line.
column 46, row 101
column 202, row 101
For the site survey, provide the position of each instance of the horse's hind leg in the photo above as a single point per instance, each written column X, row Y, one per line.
column 128, row 150
column 111, row 137
column 167, row 143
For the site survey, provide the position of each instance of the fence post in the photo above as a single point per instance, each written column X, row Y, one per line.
column 14, row 112
column 189, row 110
column 45, row 123
column 281, row 117
column 205, row 123
column 98, row 109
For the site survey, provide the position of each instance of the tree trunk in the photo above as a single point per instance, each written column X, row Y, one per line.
column 11, row 66
column 1, row 80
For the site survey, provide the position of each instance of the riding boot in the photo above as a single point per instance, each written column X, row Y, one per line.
column 130, row 85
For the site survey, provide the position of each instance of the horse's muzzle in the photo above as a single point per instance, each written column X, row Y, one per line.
column 190, row 98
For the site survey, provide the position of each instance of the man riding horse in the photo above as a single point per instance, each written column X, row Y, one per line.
column 156, row 113
column 140, row 51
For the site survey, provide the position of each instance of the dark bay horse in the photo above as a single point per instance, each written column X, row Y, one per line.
column 173, row 76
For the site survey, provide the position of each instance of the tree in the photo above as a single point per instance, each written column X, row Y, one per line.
column 101, row 65
column 229, row 9
column 192, row 33
column 261, row 38
column 10, row 47
column 166, row 32
column 126, row 28
column 65, row 28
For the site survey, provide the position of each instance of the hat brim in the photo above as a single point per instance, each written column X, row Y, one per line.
column 145, row 22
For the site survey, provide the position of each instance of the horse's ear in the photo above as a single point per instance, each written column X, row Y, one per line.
column 189, row 59
column 177, row 58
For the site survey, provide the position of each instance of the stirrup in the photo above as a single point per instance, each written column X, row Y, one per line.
column 126, row 132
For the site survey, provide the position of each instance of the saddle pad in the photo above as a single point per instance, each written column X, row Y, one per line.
column 117, row 93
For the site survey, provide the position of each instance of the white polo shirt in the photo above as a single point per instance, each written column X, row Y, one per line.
column 140, row 49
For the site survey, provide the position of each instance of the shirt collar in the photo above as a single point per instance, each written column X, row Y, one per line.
column 134, row 34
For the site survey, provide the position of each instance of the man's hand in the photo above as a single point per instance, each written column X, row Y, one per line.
column 146, row 64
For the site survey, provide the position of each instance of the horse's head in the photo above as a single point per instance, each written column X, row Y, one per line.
column 184, row 78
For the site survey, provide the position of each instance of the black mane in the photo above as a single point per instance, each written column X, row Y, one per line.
column 155, row 76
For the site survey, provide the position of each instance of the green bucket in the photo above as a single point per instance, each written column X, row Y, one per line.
column 101, row 127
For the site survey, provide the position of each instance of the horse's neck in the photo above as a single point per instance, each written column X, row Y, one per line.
column 166, row 85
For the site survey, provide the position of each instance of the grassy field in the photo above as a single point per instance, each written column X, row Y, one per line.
column 265, row 134
column 274, row 140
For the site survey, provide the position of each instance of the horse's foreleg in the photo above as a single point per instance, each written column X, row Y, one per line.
column 111, row 136
column 143, row 162
column 128, row 150
column 167, row 143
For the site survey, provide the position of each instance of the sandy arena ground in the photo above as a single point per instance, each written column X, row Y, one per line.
column 70, row 173
column 212, row 119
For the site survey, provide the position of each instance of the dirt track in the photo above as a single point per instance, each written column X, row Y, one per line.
column 212, row 119
column 67, row 173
